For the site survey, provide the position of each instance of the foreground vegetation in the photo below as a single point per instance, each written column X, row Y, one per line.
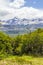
column 22, row 60
column 28, row 44
column 24, row 49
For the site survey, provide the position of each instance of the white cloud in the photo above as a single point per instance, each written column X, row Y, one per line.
column 17, row 3
column 13, row 9
column 24, row 12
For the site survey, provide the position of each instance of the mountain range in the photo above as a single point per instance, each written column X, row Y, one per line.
column 20, row 26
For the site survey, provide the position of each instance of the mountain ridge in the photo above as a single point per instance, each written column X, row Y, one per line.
column 24, row 25
column 25, row 21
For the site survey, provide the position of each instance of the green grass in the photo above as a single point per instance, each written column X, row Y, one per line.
column 22, row 60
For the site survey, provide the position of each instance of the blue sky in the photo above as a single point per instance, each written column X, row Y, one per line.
column 34, row 3
column 21, row 9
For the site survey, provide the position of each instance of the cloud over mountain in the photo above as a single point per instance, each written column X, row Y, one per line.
column 17, row 8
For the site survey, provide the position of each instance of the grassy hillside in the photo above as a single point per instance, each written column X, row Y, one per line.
column 22, row 60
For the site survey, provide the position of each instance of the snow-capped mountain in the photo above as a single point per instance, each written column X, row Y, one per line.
column 24, row 21
column 17, row 25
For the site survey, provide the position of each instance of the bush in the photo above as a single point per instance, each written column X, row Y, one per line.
column 29, row 44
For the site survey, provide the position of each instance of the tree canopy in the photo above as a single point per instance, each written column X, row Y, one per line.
column 29, row 44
